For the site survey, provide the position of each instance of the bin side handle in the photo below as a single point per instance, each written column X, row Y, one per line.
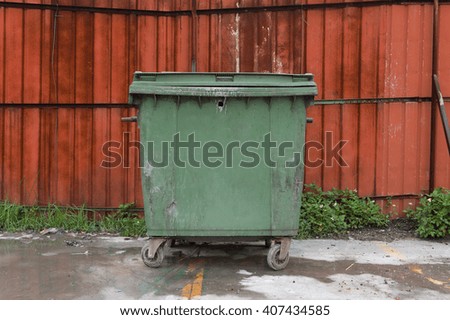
column 129, row 119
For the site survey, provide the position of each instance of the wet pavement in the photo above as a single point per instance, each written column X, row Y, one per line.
column 74, row 267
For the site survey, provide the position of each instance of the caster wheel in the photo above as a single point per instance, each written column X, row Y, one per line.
column 157, row 260
column 267, row 243
column 273, row 258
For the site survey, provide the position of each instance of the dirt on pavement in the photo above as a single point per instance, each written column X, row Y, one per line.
column 398, row 229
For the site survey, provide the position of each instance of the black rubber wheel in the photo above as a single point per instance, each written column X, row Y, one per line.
column 273, row 258
column 157, row 260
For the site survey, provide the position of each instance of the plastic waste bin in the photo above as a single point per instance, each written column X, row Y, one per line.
column 221, row 157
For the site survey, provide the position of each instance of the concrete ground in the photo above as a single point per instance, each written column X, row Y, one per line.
column 70, row 267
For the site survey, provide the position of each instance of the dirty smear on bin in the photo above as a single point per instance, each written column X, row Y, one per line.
column 171, row 211
column 148, row 168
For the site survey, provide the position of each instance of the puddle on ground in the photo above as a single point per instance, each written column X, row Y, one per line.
column 52, row 269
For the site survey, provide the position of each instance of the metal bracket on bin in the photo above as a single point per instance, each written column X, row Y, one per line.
column 285, row 244
column 154, row 244
column 129, row 119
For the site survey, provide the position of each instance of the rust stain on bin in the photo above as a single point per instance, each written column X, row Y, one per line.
column 51, row 152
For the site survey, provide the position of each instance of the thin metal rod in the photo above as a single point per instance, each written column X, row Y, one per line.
column 442, row 111
column 65, row 105
column 371, row 100
column 316, row 102
column 90, row 209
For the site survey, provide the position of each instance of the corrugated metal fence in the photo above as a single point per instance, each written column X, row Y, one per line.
column 66, row 66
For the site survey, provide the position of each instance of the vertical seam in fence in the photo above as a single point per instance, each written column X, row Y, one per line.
column 435, row 69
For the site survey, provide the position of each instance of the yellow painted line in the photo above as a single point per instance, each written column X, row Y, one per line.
column 197, row 285
column 416, row 269
column 186, row 291
column 434, row 281
column 194, row 289
column 391, row 251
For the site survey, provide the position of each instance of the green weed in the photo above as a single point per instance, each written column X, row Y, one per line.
column 124, row 222
column 16, row 218
column 333, row 212
column 433, row 214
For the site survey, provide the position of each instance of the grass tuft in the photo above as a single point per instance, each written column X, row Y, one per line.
column 17, row 218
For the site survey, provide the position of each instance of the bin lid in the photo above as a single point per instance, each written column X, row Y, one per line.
column 222, row 84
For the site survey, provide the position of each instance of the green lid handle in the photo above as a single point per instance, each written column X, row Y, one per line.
column 223, row 77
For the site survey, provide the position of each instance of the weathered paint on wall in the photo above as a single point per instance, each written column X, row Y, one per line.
column 65, row 71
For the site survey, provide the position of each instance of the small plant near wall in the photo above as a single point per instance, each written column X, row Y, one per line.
column 432, row 215
column 17, row 218
column 333, row 212
column 125, row 222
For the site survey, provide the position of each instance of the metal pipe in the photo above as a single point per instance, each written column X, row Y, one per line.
column 434, row 100
column 371, row 100
column 305, row 6
column 66, row 105
column 194, row 28
column 360, row 101
column 442, row 111
column 395, row 197
column 93, row 9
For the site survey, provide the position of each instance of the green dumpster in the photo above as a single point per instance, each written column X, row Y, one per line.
column 221, row 157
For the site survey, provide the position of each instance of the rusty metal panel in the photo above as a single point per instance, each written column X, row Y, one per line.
column 12, row 155
column 12, row 68
column 13, row 47
column 408, row 51
column 402, row 148
column 60, row 156
column 403, row 129
column 84, row 58
column 146, row 43
column 393, row 59
column 2, row 98
column 49, row 57
column 442, row 164
column 254, row 41
column 81, row 56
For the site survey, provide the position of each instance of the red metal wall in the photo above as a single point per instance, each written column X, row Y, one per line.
column 65, row 71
